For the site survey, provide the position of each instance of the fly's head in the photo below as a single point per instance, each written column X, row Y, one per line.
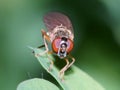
column 62, row 46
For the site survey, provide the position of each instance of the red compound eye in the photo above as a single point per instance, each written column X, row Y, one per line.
column 56, row 44
column 70, row 45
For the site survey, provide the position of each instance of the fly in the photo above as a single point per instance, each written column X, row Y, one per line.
column 61, row 36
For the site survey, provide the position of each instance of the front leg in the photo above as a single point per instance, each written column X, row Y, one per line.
column 73, row 60
column 62, row 71
column 45, row 38
column 68, row 64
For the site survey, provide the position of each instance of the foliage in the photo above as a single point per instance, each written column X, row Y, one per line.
column 75, row 79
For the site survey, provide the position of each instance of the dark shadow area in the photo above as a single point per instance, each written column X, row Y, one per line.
column 60, row 63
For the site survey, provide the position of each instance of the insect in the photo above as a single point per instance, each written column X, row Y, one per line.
column 60, row 34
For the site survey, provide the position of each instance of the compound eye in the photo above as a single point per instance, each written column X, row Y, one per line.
column 56, row 44
column 70, row 46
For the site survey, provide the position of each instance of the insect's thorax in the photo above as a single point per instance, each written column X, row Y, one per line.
column 60, row 31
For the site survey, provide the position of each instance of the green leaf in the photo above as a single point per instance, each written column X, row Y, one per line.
column 36, row 84
column 75, row 79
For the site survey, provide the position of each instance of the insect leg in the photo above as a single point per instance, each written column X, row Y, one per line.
column 62, row 71
column 45, row 38
column 41, row 46
column 73, row 60
column 51, row 61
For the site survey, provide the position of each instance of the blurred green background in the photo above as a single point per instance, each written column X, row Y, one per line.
column 97, row 39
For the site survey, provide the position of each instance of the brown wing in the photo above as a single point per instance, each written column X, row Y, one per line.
column 54, row 19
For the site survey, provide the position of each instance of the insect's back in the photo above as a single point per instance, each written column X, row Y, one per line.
column 54, row 19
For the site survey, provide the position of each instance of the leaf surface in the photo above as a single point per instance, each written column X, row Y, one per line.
column 37, row 84
column 75, row 79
